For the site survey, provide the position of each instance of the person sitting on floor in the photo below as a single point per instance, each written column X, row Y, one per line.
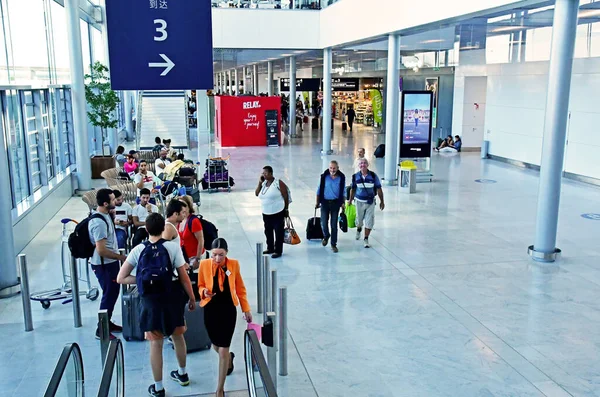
column 448, row 142
column 454, row 147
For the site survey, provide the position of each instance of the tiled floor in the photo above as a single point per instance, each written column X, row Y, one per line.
column 445, row 303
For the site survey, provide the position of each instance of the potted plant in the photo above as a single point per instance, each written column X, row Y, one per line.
column 102, row 103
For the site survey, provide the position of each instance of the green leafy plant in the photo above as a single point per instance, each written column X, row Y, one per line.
column 101, row 99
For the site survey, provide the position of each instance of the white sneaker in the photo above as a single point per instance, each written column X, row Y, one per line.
column 358, row 231
column 367, row 243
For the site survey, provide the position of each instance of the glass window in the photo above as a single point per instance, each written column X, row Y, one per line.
column 595, row 40
column 33, row 139
column 85, row 47
column 47, row 134
column 28, row 39
column 581, row 41
column 98, row 46
column 537, row 44
column 497, row 49
column 13, row 133
column 66, row 136
column 61, row 43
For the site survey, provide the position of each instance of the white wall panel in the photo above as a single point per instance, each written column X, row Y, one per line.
column 265, row 29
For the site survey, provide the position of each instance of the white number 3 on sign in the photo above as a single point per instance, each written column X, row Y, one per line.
column 162, row 29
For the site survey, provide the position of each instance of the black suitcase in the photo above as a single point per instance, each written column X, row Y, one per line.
column 344, row 126
column 380, row 151
column 315, row 123
column 131, row 307
column 313, row 228
column 196, row 336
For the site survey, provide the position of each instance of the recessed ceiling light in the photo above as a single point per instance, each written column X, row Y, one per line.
column 432, row 41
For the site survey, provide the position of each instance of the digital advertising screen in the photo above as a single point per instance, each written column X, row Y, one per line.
column 417, row 112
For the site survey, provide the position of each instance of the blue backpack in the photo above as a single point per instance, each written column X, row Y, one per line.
column 154, row 270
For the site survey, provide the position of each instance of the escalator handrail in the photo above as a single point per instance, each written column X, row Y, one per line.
column 251, row 339
column 65, row 356
column 113, row 356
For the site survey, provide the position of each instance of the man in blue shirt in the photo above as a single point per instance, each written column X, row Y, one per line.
column 330, row 197
column 365, row 186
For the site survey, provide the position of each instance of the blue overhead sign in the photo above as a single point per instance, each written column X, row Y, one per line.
column 160, row 44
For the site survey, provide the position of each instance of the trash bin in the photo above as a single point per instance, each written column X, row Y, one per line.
column 408, row 177
column 485, row 147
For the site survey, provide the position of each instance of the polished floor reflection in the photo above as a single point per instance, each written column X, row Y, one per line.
column 445, row 303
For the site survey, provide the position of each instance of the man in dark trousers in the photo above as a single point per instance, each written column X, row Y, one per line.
column 331, row 198
column 351, row 114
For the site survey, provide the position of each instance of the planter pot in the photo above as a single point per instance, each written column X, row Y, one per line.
column 101, row 163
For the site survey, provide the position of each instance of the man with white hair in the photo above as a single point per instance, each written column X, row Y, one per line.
column 361, row 155
column 365, row 186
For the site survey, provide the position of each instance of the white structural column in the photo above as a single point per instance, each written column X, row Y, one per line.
column 82, row 153
column 270, row 77
column 292, row 107
column 128, row 105
column 8, row 265
column 203, row 118
column 236, row 82
column 228, row 82
column 255, row 79
column 555, row 129
column 245, row 81
column 327, row 101
column 223, row 83
column 392, row 109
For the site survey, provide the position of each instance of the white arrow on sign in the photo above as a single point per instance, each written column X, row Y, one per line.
column 168, row 64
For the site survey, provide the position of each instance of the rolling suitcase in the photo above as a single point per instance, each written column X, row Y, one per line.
column 313, row 228
column 344, row 126
column 305, row 119
column 196, row 336
column 131, row 308
column 315, row 123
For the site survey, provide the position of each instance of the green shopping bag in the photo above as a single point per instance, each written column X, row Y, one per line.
column 351, row 215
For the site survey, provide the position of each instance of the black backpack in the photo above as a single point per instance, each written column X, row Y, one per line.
column 209, row 230
column 80, row 244
column 154, row 273
column 380, row 151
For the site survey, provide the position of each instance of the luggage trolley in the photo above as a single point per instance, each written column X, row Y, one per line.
column 64, row 293
column 217, row 175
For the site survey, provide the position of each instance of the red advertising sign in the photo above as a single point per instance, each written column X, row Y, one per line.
column 241, row 121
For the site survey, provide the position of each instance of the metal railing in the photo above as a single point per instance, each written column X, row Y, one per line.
column 68, row 373
column 262, row 385
column 113, row 374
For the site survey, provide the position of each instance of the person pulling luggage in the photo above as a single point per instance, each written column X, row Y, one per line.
column 163, row 284
column 331, row 197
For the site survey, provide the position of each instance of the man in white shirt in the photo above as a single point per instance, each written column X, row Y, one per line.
column 162, row 161
column 139, row 214
column 123, row 218
column 361, row 155
column 162, row 310
column 146, row 179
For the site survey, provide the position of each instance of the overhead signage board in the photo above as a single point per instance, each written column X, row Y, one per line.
column 416, row 126
column 344, row 84
column 160, row 44
column 302, row 84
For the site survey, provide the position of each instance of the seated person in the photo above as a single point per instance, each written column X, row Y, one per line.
column 146, row 179
column 130, row 167
column 123, row 218
column 452, row 148
column 159, row 146
column 162, row 161
column 139, row 214
column 135, row 154
column 448, row 142
column 120, row 156
column 170, row 170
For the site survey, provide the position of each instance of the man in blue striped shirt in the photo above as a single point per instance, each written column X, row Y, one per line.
column 365, row 186
column 330, row 197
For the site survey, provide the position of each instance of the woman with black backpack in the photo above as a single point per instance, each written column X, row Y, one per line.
column 191, row 233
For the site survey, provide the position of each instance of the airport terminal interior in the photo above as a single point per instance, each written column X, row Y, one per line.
column 481, row 275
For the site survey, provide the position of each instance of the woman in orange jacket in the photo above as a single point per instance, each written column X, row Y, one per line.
column 221, row 289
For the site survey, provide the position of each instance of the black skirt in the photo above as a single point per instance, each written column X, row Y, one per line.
column 220, row 315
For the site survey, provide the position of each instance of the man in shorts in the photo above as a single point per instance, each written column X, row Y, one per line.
column 365, row 186
column 162, row 313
